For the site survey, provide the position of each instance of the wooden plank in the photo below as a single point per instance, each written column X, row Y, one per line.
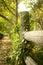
column 34, row 36
column 30, row 61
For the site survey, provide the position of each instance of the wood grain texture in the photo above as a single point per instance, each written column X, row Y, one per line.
column 34, row 36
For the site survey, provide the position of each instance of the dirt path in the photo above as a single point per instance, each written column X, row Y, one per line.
column 5, row 46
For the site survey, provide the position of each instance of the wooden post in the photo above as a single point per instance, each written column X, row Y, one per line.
column 24, row 17
column 25, row 26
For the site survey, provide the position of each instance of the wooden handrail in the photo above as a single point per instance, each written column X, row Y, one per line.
column 34, row 36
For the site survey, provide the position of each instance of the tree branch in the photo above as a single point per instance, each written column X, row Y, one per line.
column 13, row 9
column 5, row 18
column 16, row 11
column 8, row 7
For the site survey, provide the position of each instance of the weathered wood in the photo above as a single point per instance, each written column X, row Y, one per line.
column 30, row 61
column 34, row 36
column 24, row 24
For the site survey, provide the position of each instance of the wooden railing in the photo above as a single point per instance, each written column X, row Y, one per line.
column 34, row 36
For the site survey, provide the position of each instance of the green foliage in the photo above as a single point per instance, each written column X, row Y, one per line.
column 21, row 49
column 25, row 20
column 7, row 15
